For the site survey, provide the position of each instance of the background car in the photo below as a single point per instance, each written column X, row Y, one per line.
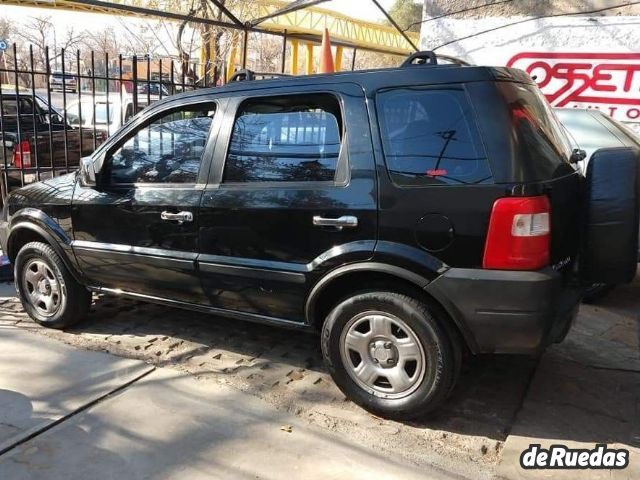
column 58, row 81
column 33, row 137
column 110, row 112
column 154, row 89
column 589, row 130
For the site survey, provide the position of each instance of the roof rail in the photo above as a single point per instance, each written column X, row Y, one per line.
column 455, row 60
column 249, row 75
column 427, row 57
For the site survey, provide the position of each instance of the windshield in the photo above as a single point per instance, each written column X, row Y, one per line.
column 73, row 113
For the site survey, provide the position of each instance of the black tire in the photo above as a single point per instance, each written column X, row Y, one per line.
column 597, row 292
column 73, row 301
column 441, row 354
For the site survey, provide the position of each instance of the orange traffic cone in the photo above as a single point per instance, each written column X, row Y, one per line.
column 326, row 58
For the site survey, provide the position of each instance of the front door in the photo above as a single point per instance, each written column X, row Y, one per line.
column 292, row 189
column 137, row 231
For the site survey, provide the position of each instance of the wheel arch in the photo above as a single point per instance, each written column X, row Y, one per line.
column 349, row 279
column 25, row 231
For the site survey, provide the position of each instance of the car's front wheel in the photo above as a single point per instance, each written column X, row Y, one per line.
column 48, row 292
column 389, row 353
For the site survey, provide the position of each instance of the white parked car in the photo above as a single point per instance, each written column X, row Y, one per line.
column 591, row 129
column 110, row 113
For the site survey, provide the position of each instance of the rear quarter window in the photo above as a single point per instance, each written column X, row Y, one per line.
column 540, row 144
column 430, row 137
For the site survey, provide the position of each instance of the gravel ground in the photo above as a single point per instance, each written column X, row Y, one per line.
column 285, row 368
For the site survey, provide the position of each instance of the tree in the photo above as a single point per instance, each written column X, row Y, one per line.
column 407, row 14
column 38, row 31
column 6, row 29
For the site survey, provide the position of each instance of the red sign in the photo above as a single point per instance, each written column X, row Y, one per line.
column 609, row 81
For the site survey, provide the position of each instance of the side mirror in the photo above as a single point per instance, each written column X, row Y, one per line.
column 577, row 155
column 87, row 172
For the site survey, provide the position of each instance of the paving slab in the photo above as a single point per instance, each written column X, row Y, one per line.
column 170, row 425
column 586, row 391
column 42, row 381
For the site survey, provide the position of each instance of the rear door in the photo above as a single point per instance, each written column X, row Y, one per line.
column 439, row 190
column 293, row 188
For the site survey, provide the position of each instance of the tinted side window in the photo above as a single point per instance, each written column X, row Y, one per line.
column 292, row 138
column 167, row 150
column 10, row 107
column 430, row 138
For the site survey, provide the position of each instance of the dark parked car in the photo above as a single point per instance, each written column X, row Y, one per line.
column 154, row 89
column 407, row 214
column 34, row 136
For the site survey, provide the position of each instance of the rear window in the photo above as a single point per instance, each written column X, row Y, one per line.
column 430, row 138
column 586, row 130
column 628, row 135
column 539, row 140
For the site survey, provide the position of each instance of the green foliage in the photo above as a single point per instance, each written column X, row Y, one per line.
column 407, row 13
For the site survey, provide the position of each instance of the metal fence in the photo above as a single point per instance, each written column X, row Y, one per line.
column 52, row 115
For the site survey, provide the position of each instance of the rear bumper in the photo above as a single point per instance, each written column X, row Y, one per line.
column 507, row 311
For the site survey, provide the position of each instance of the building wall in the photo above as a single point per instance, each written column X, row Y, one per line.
column 587, row 61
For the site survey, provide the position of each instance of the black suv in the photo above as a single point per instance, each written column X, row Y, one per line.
column 409, row 214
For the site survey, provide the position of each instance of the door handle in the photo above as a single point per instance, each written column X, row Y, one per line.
column 179, row 217
column 345, row 221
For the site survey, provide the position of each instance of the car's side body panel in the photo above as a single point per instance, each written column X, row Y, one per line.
column 259, row 249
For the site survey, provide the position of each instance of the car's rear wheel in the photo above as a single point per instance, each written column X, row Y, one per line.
column 388, row 353
column 47, row 290
column 597, row 292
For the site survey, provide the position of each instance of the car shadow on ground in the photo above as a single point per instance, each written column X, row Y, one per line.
column 285, row 368
column 265, row 360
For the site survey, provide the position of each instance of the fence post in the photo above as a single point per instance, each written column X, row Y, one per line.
column 245, row 42
column 284, row 51
column 48, row 86
column 134, row 74
column 64, row 112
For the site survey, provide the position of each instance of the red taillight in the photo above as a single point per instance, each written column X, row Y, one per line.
column 519, row 234
column 22, row 155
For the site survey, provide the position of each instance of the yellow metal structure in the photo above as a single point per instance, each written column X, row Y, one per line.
column 294, row 57
column 309, row 59
column 347, row 30
column 301, row 26
column 310, row 21
column 337, row 63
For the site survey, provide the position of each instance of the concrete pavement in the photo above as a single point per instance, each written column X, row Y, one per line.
column 585, row 391
column 43, row 381
column 68, row 413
